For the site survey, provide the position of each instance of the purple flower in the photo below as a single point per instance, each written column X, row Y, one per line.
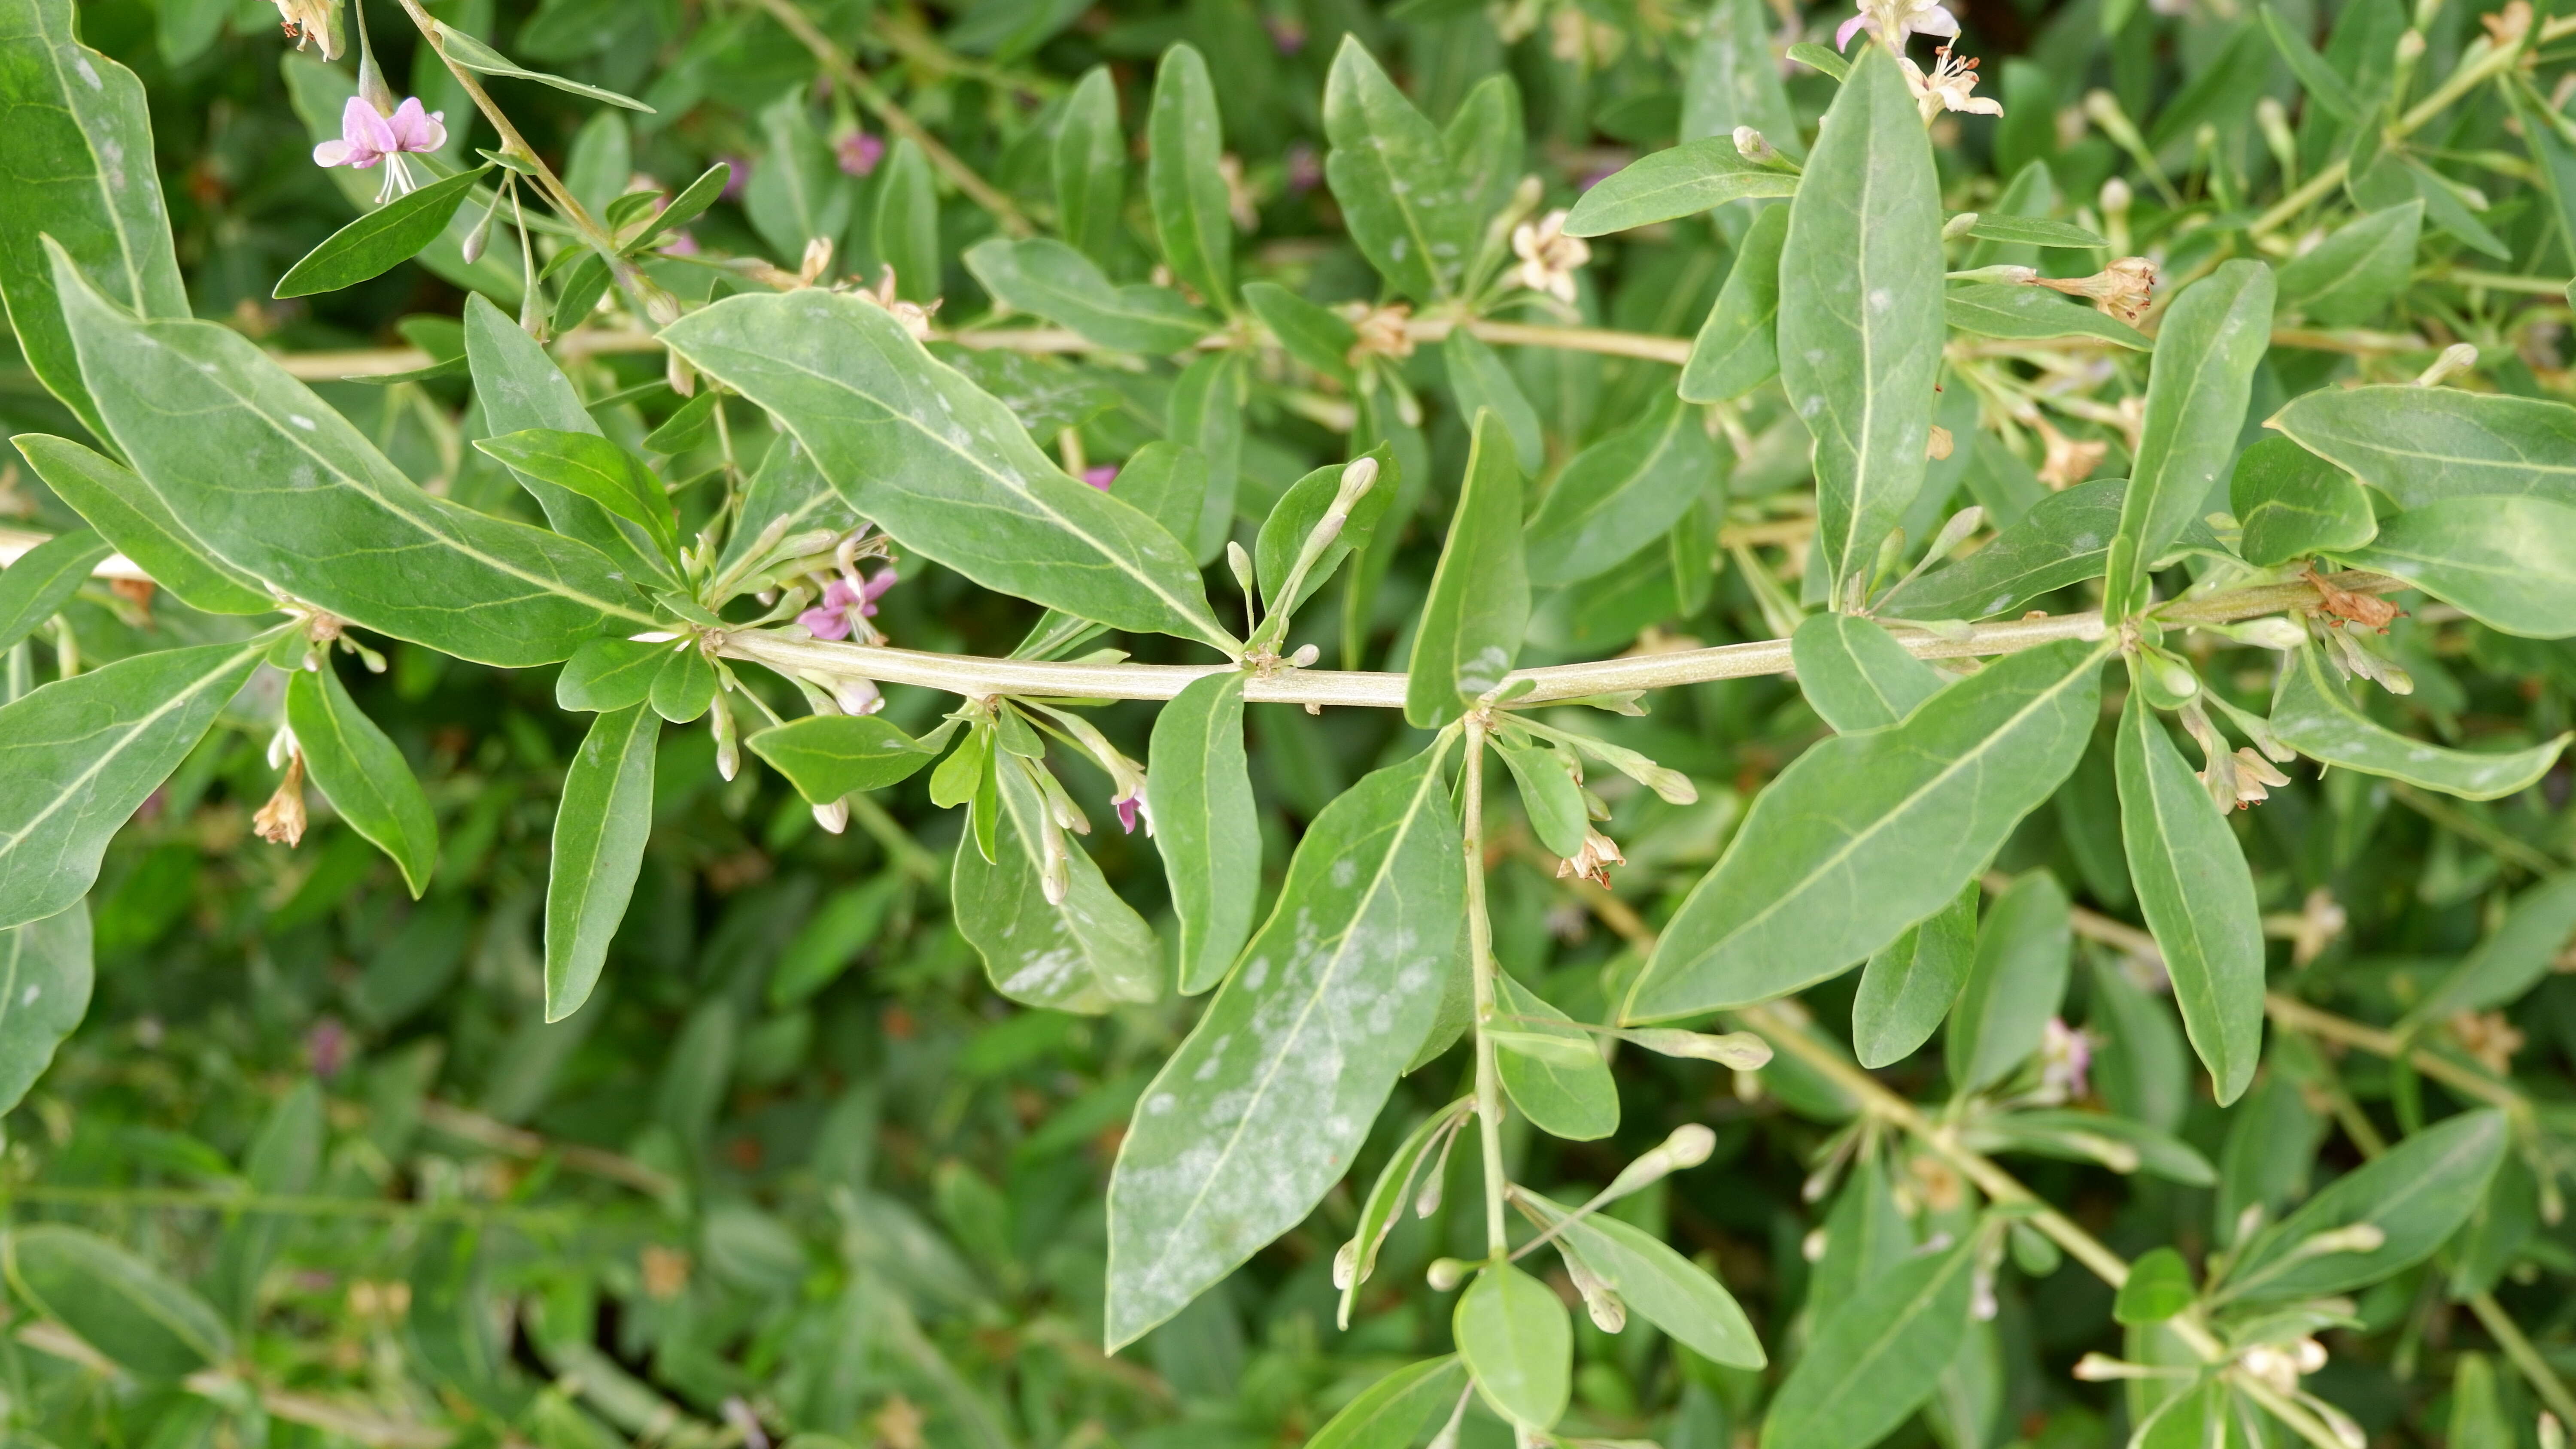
column 843, row 604
column 859, row 152
column 1287, row 36
column 737, row 176
column 1304, row 171
column 367, row 138
column 326, row 1046
column 1101, row 477
column 1131, row 807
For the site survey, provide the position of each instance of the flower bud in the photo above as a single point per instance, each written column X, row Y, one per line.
column 728, row 743
column 1346, row 1264
column 1357, row 479
column 1609, row 1314
column 2457, row 358
column 1957, row 226
column 1445, row 1274
column 2354, row 1238
column 1741, row 1050
column 1754, row 147
column 834, row 817
column 1305, row 656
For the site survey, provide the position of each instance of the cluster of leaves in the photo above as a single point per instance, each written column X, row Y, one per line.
column 559, row 1082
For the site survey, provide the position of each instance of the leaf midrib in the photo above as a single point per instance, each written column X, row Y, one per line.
column 134, row 731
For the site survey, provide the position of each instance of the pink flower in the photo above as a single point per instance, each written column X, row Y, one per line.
column 367, row 137
column 737, row 176
column 859, row 152
column 1101, row 477
column 1903, row 17
column 680, row 244
column 2065, row 1056
column 1131, row 807
column 843, row 604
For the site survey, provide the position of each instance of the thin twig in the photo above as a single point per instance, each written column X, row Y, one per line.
column 472, row 1126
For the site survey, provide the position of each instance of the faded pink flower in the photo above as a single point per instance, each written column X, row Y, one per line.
column 737, row 176
column 367, row 137
column 680, row 244
column 1893, row 20
column 2065, row 1056
column 844, row 604
column 1131, row 807
column 859, row 152
column 1101, row 477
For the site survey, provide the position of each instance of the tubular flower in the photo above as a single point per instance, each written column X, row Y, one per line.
column 1548, row 256
column 1592, row 859
column 1893, row 20
column 1946, row 87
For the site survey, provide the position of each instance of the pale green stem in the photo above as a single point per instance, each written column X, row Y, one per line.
column 1480, row 962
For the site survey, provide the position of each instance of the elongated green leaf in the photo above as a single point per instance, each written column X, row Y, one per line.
column 1205, row 414
column 2032, row 231
column 44, row 992
column 1907, row 989
column 588, row 464
column 139, row 1318
column 828, row 756
column 2198, row 897
column 78, row 756
column 2017, row 981
column 1485, row 140
column 2206, row 348
column 606, row 674
column 1062, row 285
column 2417, row 1194
column 1867, row 1235
column 1390, row 171
column 2140, row 1065
column 1387, row 1199
column 2120, row 1143
column 2514, row 959
column 1259, row 1112
column 1090, row 161
column 1856, row 675
column 1677, row 181
column 795, row 194
column 906, row 226
column 142, row 526
column 2322, row 82
column 1518, row 1345
column 600, row 829
column 1737, row 348
column 2419, row 445
column 2509, row 563
column 363, row 774
column 1083, row 953
column 1479, row 606
column 380, row 240
column 2006, row 309
column 76, row 145
column 1672, row 1293
column 2064, row 539
column 1184, row 141
column 1875, row 1359
column 1200, row 790
column 283, row 488
column 684, row 687
column 1864, row 835
column 1481, row 382
column 44, row 579
column 787, row 486
column 1620, row 494
column 2293, row 503
column 2351, row 277
column 1551, row 1067
column 1315, row 336
column 482, row 59
column 1860, row 311
column 940, row 464
column 1393, row 1412
column 2313, row 713
column 1294, row 517
column 1549, row 796
column 1167, row 482
column 1734, row 79
column 281, row 1162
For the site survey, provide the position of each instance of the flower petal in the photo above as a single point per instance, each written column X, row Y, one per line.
column 331, row 153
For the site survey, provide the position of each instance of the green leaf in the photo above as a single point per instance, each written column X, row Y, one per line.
column 1736, row 350
column 2015, row 984
column 1389, row 1196
column 1864, row 835
column 1518, row 1345
column 2119, row 1143
column 827, row 756
column 686, row 207
column 1620, row 494
column 582, row 287
column 141, row 526
column 687, row 428
column 1090, row 163
column 363, row 774
column 1856, row 675
column 482, row 59
column 2513, row 960
column 2509, row 563
column 1084, row 953
column 1551, row 1067
column 1064, row 286
column 1677, row 181
column 2313, row 713
column 1168, row 483
column 1860, row 311
column 1390, row 172
column 1907, row 988
column 1549, row 795
column 2035, row 231
column 2140, row 1063
column 2158, row 1287
column 1199, row 788
column 2198, row 897
column 2293, row 503
column 44, row 993
column 2416, row 1195
column 600, row 829
column 588, row 464
column 1293, row 518
column 1823, row 58
column 1481, row 382
column 684, row 688
column 380, row 240
column 606, row 674
column 1478, row 610
column 281, row 1162
column 140, row 1319
column 2351, row 277
column 76, row 119
column 831, row 939
column 2206, row 349
column 1734, row 79
column 1185, row 138
column 1868, row 1234
column 1672, row 1293
column 80, row 755
column 219, row 432
column 940, row 464
column 1875, row 1359
column 2420, row 445
column 1261, row 1109
column 2010, row 309
column 2063, row 540
column 2322, row 82
column 1205, row 413
column 905, row 230
column 796, row 193
column 1316, row 336
column 1484, row 140
column 44, row 578
column 1393, row 1412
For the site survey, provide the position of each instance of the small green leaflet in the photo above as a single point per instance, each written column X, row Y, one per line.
column 2293, row 503
column 1184, row 185
column 1390, row 172
column 1478, row 610
column 1284, row 533
column 605, row 674
column 1480, row 381
column 2198, row 897
column 684, row 688
column 2511, row 961
column 1867, row 1234
column 1678, row 181
column 2351, row 277
column 482, row 59
column 1907, row 989
column 2140, row 1063
column 1549, row 796
column 1314, row 335
column 1876, row 1358
column 2025, row 950
column 2158, row 1287
column 590, row 465
column 1168, row 483
column 1620, row 494
column 2037, row 231
column 2509, row 563
column 44, row 993
column 2313, row 713
column 137, row 1317
column 2007, row 309
column 1259, row 1112
column 600, row 829
column 1518, row 1345
column 1390, row 1195
column 361, row 772
column 2419, row 445
column 2416, row 1195
column 906, row 231
column 2323, row 83
column 1090, row 166
column 1737, row 348
column 2118, row 1143
column 380, row 240
column 942, row 465
column 1393, row 1412
column 1204, row 414
column 827, row 756
column 1669, row 1290
column 1084, row 953
column 2064, row 539
column 1856, row 675
column 1063, row 286
column 142, row 526
column 43, row 579
column 1864, row 835
column 80, row 755
column 1552, row 1068
column 1199, row 788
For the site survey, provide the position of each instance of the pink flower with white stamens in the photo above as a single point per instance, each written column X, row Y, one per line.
column 367, row 137
column 844, row 604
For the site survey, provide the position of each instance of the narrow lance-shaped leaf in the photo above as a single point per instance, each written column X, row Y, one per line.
column 1199, row 789
column 1393, row 1412
column 43, row 579
column 1258, row 1113
column 1063, row 285
column 1860, row 311
column 827, row 756
column 361, row 772
column 142, row 526
column 2198, row 897
column 1863, row 835
column 1184, row 141
column 1734, row 79
column 1620, row 494
column 380, row 240
column 2006, row 309
column 1876, row 1359
column 1908, row 988
column 1551, row 1068
column 1856, row 675
column 2419, row 445
column 2017, row 981
column 941, row 465
column 1677, row 181
column 1090, row 163
column 589, row 465
column 1084, row 952
column 2509, row 563
column 2064, row 539
column 1737, row 349
column 1390, row 172
column 79, row 756
column 1205, row 415
column 2206, row 348
column 44, row 992
column 600, row 829
column 1479, row 605
column 1667, row 1289
column 2415, row 1196
column 1390, row 1195
column 1518, row 1344
column 2313, row 713
column 2350, row 277
column 2513, row 960
column 137, row 1316
column 1480, row 381
column 907, row 222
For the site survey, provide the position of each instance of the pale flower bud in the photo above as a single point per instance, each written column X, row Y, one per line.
column 834, row 817
column 2457, row 358
column 1609, row 1314
column 1445, row 1274
column 1346, row 1264
column 1741, row 1050
column 1754, row 147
